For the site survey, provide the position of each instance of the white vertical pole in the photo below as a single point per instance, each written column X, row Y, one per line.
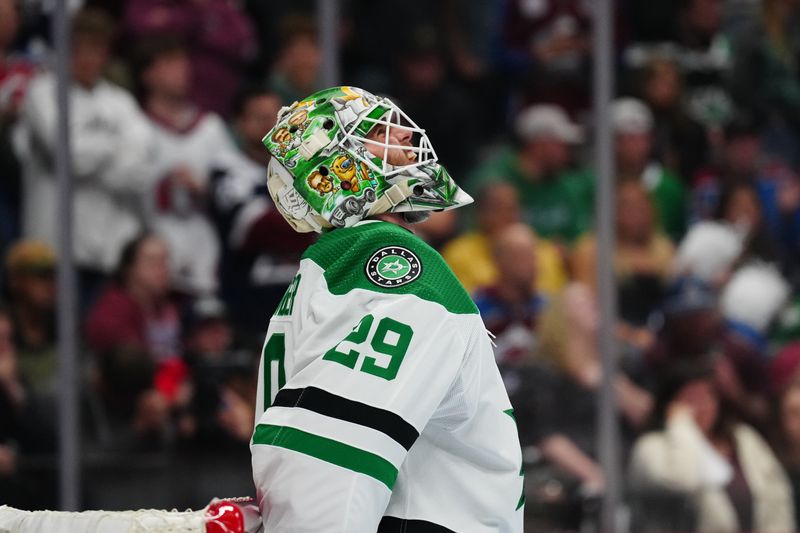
column 69, row 464
column 603, row 88
column 328, row 27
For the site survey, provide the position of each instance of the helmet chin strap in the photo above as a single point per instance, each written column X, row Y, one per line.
column 392, row 197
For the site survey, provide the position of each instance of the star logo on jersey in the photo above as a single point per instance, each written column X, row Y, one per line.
column 393, row 266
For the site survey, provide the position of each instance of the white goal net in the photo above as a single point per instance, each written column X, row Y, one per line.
column 238, row 515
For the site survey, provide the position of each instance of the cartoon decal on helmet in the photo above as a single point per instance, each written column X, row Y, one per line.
column 351, row 173
column 320, row 183
column 350, row 207
column 319, row 150
column 299, row 119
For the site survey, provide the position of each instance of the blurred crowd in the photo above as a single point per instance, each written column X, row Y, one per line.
column 182, row 257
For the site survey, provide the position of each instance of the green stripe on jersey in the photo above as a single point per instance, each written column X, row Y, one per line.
column 328, row 450
column 343, row 254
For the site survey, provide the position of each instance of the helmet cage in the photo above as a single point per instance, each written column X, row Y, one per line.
column 385, row 112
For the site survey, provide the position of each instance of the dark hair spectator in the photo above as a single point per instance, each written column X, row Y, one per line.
column 147, row 51
column 220, row 42
column 260, row 252
column 219, row 411
column 297, row 66
column 755, row 182
column 184, row 143
column 723, row 468
column 679, row 141
column 739, row 206
column 134, row 331
column 423, row 91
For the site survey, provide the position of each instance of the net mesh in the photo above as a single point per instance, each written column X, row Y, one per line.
column 140, row 521
column 216, row 518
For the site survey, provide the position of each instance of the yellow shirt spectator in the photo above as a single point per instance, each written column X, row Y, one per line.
column 470, row 257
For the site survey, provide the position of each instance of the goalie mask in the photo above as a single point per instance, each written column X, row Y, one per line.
column 343, row 154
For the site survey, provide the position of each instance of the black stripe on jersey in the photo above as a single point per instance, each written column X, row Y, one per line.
column 392, row 524
column 334, row 406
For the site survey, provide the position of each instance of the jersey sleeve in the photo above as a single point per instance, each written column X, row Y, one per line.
column 379, row 366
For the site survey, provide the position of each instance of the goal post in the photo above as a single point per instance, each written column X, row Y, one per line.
column 233, row 515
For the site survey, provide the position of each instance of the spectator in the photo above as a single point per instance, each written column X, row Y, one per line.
column 555, row 201
column 424, row 91
column 741, row 162
column 777, row 188
column 12, row 396
column 511, row 306
column 220, row 407
column 31, row 288
column 633, row 126
column 185, row 141
column 788, row 439
column 679, row 141
column 21, row 429
column 705, row 56
column 470, row 29
column 545, row 45
column 750, row 303
column 110, row 159
column 134, row 331
column 720, row 465
column 708, row 253
column 15, row 75
column 220, row 42
column 470, row 255
column 642, row 255
column 557, row 398
column 690, row 330
column 765, row 79
column 260, row 251
column 740, row 208
column 297, row 65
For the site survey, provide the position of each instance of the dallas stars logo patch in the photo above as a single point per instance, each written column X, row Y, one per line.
column 393, row 266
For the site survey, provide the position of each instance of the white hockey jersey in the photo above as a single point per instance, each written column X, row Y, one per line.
column 111, row 166
column 193, row 244
column 380, row 406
